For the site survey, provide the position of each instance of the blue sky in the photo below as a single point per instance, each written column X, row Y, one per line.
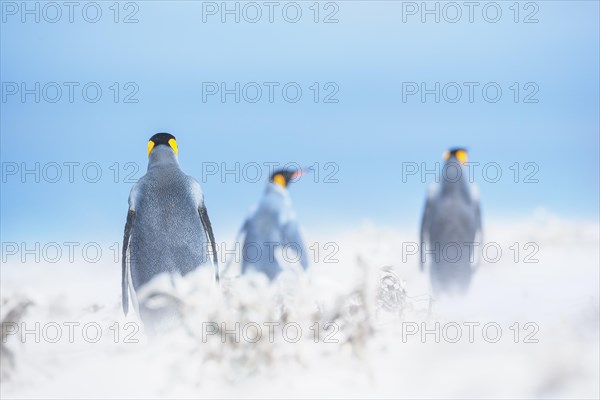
column 369, row 133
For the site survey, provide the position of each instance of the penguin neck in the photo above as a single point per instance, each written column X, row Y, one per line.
column 162, row 157
column 275, row 188
column 455, row 180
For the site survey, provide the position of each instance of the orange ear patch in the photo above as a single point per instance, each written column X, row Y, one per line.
column 462, row 156
column 279, row 179
column 173, row 144
column 150, row 147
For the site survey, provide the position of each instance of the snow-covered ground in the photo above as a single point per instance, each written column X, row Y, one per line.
column 379, row 306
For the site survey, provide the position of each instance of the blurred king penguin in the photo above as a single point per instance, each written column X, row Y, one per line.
column 272, row 227
column 167, row 228
column 451, row 225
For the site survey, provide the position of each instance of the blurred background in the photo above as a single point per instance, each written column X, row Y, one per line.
column 369, row 55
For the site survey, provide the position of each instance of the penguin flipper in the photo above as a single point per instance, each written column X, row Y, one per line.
column 425, row 222
column 478, row 229
column 238, row 239
column 291, row 234
column 210, row 236
column 124, row 260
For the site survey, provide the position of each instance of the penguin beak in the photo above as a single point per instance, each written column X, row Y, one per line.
column 305, row 170
column 296, row 175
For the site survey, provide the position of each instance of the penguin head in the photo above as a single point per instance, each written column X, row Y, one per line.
column 162, row 139
column 283, row 177
column 459, row 154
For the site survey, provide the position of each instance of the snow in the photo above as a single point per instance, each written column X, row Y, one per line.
column 375, row 354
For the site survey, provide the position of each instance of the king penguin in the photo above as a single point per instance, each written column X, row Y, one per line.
column 167, row 228
column 273, row 226
column 451, row 227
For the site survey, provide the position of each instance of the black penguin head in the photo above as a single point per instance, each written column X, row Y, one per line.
column 162, row 139
column 283, row 177
column 458, row 153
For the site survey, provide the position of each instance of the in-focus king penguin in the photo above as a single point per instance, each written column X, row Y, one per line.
column 451, row 225
column 167, row 228
column 272, row 227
